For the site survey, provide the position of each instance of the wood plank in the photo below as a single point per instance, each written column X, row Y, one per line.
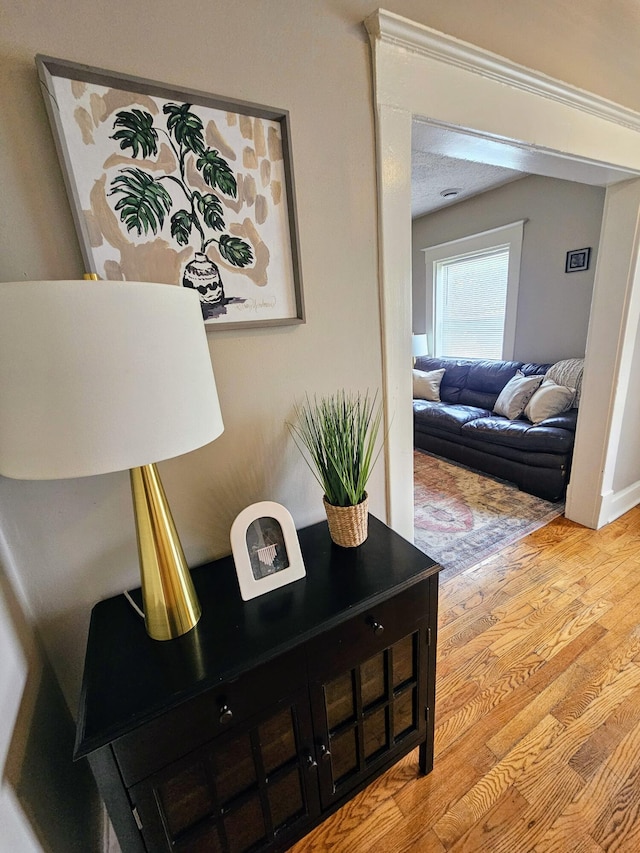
column 488, row 834
column 485, row 793
column 540, row 706
column 604, row 740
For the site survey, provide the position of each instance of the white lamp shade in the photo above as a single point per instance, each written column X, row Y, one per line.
column 100, row 376
column 419, row 345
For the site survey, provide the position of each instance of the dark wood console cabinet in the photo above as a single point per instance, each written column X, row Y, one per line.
column 270, row 714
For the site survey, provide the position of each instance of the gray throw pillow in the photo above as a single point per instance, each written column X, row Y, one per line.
column 426, row 384
column 515, row 395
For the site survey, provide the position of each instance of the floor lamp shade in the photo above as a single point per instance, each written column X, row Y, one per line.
column 108, row 376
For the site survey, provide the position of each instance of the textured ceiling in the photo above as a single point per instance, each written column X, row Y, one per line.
column 444, row 158
column 432, row 173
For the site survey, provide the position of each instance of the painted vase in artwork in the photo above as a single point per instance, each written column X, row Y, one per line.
column 204, row 276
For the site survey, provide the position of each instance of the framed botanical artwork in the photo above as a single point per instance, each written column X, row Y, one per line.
column 577, row 260
column 179, row 187
column 265, row 549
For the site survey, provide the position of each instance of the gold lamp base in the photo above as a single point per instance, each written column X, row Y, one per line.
column 171, row 606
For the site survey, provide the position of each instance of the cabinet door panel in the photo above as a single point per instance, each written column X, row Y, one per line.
column 339, row 697
column 405, row 710
column 237, row 792
column 403, row 661
column 233, row 767
column 285, row 798
column 343, row 747
column 277, row 741
column 373, row 680
column 387, row 693
column 245, row 826
column 375, row 733
column 186, row 798
column 206, row 841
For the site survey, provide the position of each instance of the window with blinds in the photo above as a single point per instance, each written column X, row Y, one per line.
column 472, row 294
column 471, row 304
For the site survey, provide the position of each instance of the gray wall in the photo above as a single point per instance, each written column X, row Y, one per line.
column 553, row 306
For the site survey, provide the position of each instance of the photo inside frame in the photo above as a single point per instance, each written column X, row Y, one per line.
column 266, row 547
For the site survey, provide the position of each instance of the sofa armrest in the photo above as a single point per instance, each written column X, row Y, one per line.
column 565, row 420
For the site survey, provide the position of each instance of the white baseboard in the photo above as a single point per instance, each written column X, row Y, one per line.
column 615, row 504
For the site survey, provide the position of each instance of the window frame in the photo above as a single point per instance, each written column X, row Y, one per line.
column 510, row 235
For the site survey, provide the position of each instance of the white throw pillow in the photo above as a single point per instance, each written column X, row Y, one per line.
column 549, row 400
column 516, row 394
column 426, row 384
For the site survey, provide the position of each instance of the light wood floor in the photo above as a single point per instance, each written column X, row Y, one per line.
column 537, row 712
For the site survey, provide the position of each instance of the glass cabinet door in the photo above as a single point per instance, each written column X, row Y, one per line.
column 366, row 712
column 236, row 794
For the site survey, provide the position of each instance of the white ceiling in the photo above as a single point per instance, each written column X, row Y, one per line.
column 443, row 159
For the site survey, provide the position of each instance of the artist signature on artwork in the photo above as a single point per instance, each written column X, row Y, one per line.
column 255, row 305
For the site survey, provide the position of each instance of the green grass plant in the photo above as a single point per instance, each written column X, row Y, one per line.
column 337, row 436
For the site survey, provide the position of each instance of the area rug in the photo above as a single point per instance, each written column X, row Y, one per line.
column 462, row 517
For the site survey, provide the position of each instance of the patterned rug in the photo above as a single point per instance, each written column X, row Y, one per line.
column 462, row 518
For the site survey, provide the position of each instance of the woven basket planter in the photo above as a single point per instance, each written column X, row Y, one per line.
column 348, row 525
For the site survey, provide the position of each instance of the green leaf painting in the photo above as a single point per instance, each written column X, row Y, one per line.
column 185, row 126
column 143, row 202
column 217, row 173
column 181, row 227
column 136, row 132
column 210, row 207
column 235, row 250
column 143, row 198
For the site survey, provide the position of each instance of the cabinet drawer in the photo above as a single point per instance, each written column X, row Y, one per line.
column 177, row 732
column 366, row 634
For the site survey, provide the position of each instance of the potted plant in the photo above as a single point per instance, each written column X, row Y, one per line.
column 336, row 436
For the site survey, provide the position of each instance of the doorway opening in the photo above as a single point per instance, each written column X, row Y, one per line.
column 458, row 512
column 490, row 104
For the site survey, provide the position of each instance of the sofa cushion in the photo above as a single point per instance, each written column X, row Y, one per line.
column 444, row 416
column 426, row 384
column 515, row 395
column 520, row 434
column 549, row 400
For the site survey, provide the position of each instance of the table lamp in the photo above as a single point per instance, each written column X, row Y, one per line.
column 419, row 346
column 99, row 376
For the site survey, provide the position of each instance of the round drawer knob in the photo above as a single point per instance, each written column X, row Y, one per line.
column 377, row 627
column 325, row 753
column 226, row 714
column 310, row 761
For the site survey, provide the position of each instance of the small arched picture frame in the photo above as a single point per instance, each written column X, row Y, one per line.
column 265, row 549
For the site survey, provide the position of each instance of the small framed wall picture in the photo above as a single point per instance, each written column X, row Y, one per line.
column 577, row 260
column 266, row 550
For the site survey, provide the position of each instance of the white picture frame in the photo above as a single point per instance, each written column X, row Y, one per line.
column 266, row 550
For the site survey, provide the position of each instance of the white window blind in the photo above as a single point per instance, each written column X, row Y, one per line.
column 471, row 304
column 472, row 293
